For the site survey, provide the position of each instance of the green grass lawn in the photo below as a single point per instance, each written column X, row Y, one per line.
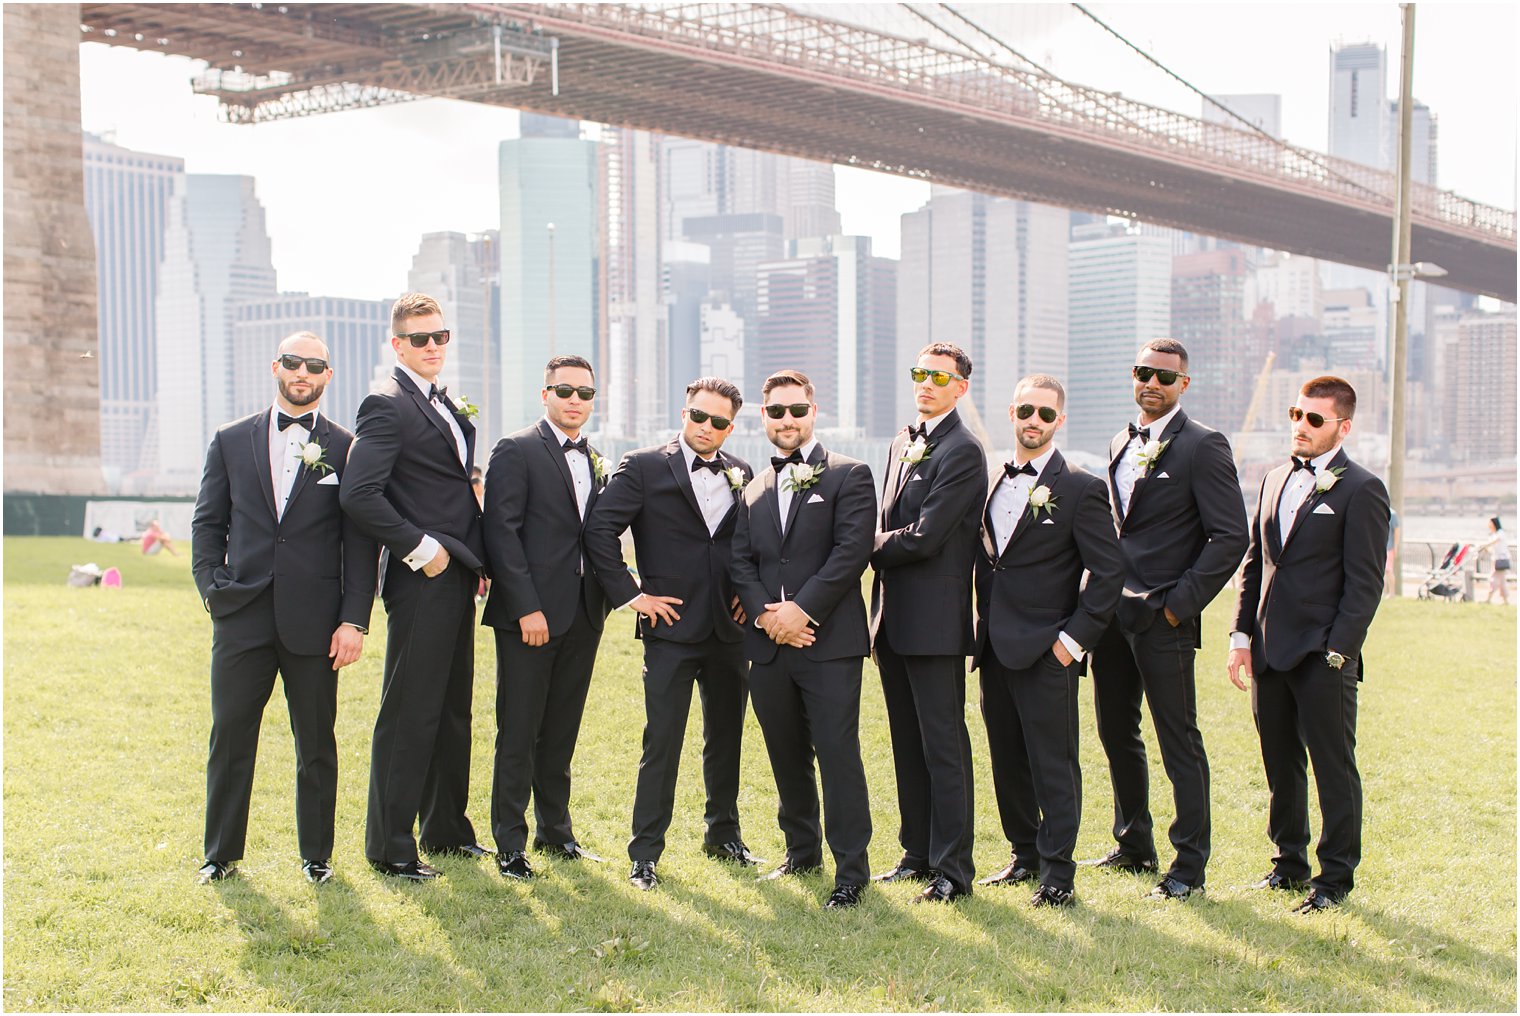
column 106, row 719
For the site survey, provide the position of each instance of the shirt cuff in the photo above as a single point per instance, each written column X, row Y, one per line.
column 1240, row 640
column 630, row 602
column 1076, row 651
column 358, row 628
column 425, row 552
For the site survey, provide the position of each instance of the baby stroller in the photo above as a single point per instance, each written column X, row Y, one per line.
column 1445, row 580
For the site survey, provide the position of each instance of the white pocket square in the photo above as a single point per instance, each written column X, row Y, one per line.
column 1324, row 509
column 915, row 476
column 1048, row 522
column 815, row 499
column 330, row 478
column 1163, row 475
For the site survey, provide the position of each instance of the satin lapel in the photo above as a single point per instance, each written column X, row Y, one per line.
column 596, row 485
column 770, row 498
column 431, row 415
column 1115, row 453
column 1167, row 436
column 889, row 488
column 1049, row 476
column 320, row 435
column 259, row 434
column 989, row 536
column 819, row 457
column 677, row 462
column 557, row 456
column 1272, row 495
column 466, row 428
column 1314, row 498
column 728, row 517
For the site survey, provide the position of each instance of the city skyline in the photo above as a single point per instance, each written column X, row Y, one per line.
column 381, row 158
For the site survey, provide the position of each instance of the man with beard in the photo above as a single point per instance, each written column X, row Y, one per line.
column 289, row 581
column 1312, row 582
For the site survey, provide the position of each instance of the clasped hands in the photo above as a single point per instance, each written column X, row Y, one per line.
column 785, row 624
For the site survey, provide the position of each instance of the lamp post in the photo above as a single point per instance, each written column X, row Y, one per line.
column 552, row 342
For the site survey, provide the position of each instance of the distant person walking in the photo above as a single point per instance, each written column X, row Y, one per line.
column 1498, row 578
column 1390, row 578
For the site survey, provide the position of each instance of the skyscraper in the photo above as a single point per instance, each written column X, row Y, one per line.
column 1483, row 387
column 458, row 270
column 686, row 285
column 127, row 196
column 636, row 383
column 1120, row 298
column 548, row 258
column 1209, row 317
column 216, row 255
column 1359, row 104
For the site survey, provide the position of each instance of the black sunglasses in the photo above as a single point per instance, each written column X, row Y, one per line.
column 798, row 409
column 586, row 392
column 314, row 364
column 420, row 339
column 941, row 377
column 1047, row 413
column 1315, row 420
column 1166, row 377
column 702, row 416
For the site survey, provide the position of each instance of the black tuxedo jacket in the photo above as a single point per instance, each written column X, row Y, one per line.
column 1034, row 590
column 1317, row 590
column 533, row 533
column 819, row 562
column 1185, row 531
column 319, row 563
column 926, row 544
column 652, row 492
column 405, row 480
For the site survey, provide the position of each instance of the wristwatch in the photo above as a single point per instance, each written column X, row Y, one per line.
column 1335, row 659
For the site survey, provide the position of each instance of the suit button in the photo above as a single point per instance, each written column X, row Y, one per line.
column 783, row 560
column 280, row 540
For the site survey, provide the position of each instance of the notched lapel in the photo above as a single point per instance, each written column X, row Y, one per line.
column 259, row 434
column 1167, row 437
column 1049, row 477
column 557, row 458
column 420, row 399
column 321, row 435
column 818, row 458
column 676, row 460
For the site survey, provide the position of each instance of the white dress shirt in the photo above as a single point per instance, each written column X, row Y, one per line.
column 1129, row 470
column 1295, row 492
column 714, row 495
column 929, row 425
column 285, row 454
column 580, row 468
column 1010, row 503
column 783, row 495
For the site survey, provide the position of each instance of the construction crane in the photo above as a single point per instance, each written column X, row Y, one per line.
column 1253, row 410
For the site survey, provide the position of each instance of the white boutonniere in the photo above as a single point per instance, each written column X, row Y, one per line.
column 598, row 467
column 1040, row 500
column 803, row 476
column 916, row 452
column 1327, row 478
column 465, row 408
column 1150, row 453
column 735, row 477
column 312, row 455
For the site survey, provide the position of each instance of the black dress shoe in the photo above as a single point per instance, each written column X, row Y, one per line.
column 843, row 896
column 1272, row 880
column 514, row 864
column 215, row 871
column 412, row 871
column 1050, row 896
column 734, row 851
column 317, row 872
column 788, row 868
column 1118, row 860
column 1316, row 901
column 1013, row 874
column 643, row 876
column 939, row 890
column 1170, row 888
column 571, row 851
column 474, row 851
column 904, row 872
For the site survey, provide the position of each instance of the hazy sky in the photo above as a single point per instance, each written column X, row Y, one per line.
column 348, row 195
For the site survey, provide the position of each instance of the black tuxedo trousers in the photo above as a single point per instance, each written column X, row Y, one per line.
column 420, row 757
column 245, row 653
column 721, row 674
column 1031, row 716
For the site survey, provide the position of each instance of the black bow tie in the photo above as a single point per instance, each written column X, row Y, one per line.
column 921, row 431
column 437, row 394
column 1301, row 464
column 305, row 420
column 574, row 446
column 1143, row 433
column 701, row 463
column 778, row 463
column 1010, row 470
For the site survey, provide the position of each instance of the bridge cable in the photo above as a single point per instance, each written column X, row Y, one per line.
column 1313, row 157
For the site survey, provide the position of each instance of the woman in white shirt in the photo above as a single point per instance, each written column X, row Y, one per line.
column 1497, row 579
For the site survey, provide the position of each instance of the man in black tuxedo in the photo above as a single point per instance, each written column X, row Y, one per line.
column 802, row 541
column 410, row 489
column 921, row 623
column 1182, row 530
column 547, row 609
column 680, row 499
column 1046, row 522
column 289, row 581
column 1312, row 582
